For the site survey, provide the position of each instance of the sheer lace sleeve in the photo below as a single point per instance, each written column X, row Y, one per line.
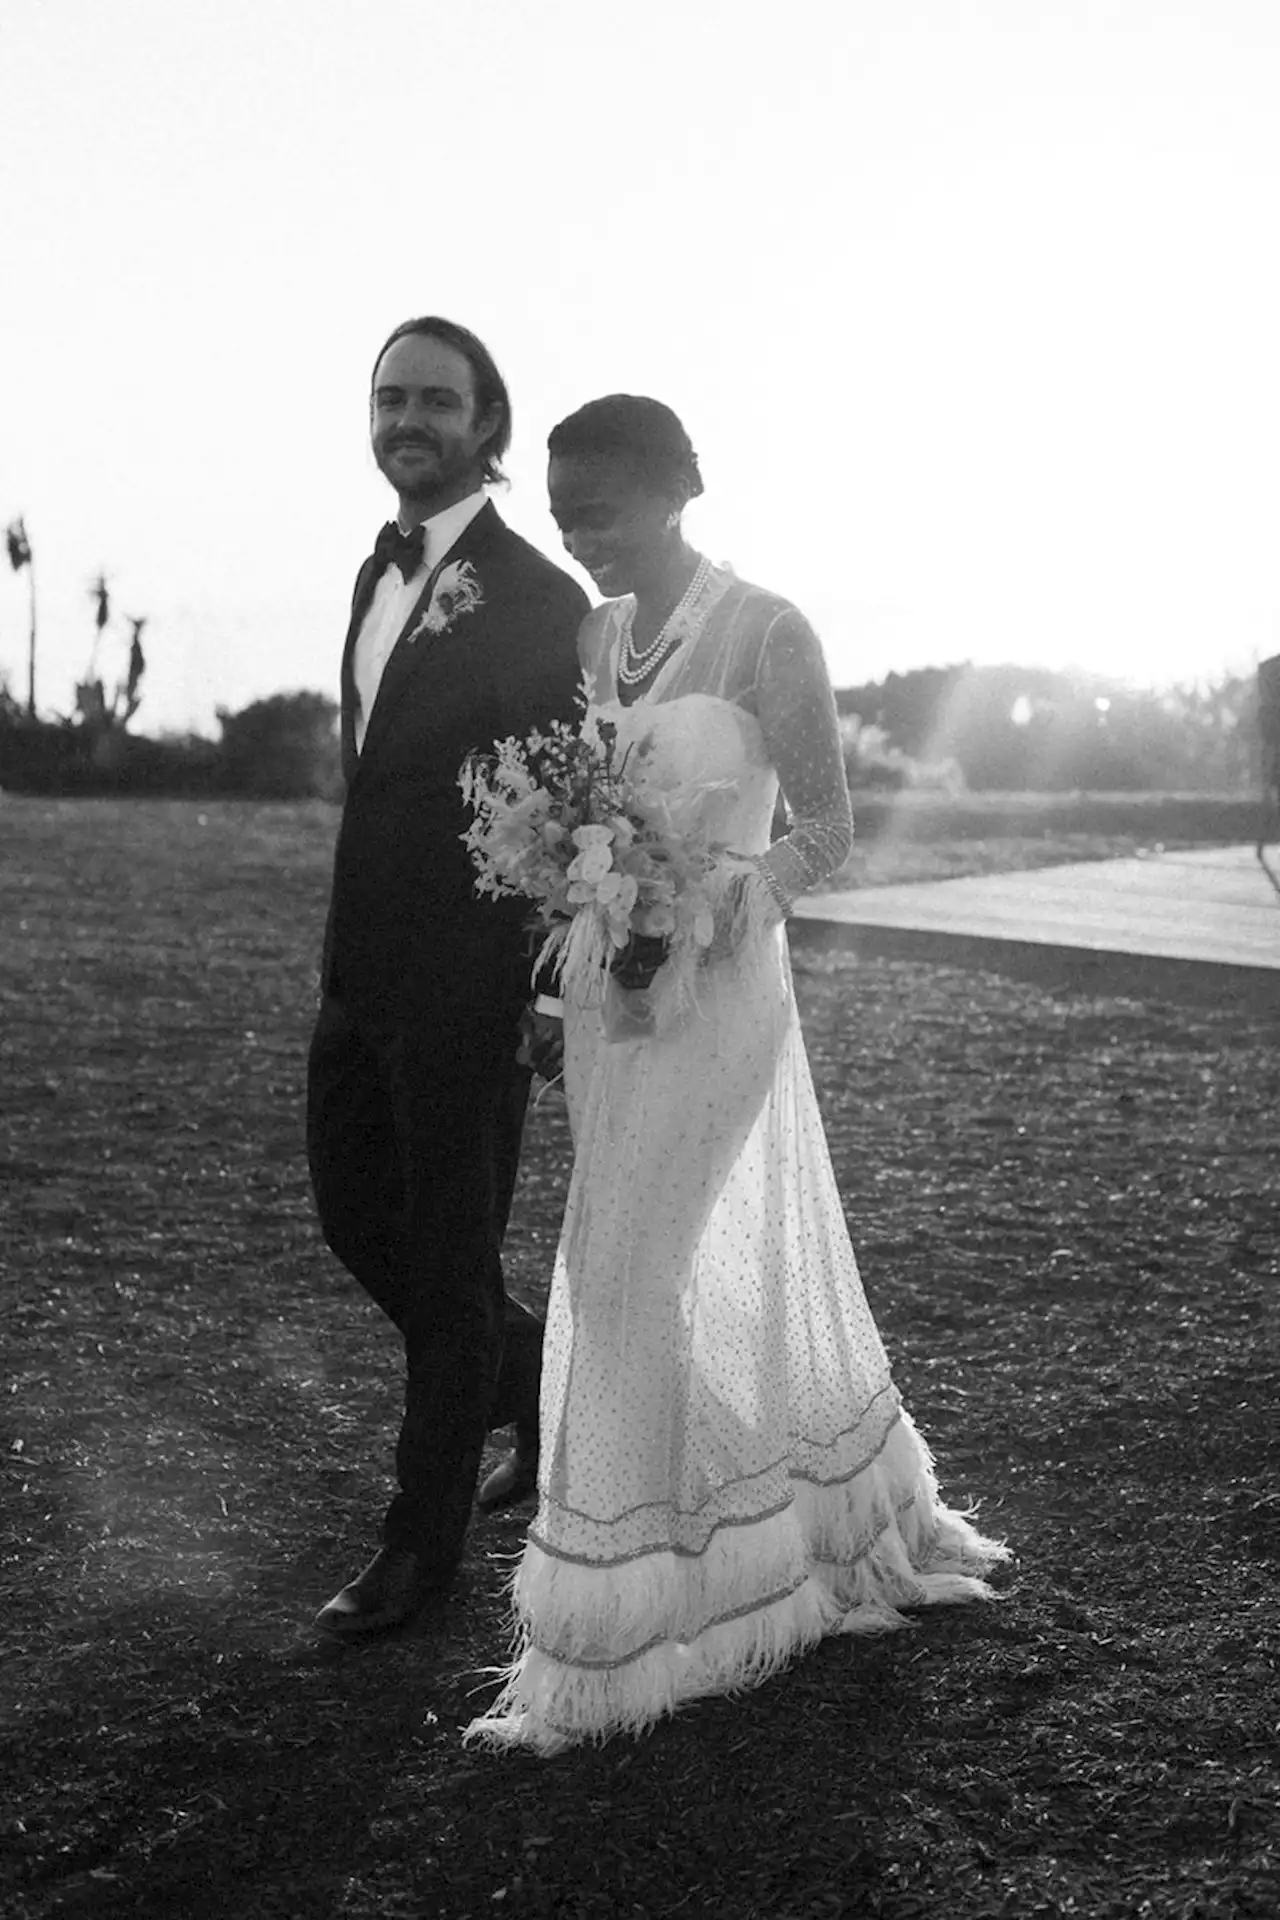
column 797, row 713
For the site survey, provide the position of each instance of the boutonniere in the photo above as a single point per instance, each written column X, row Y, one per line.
column 457, row 591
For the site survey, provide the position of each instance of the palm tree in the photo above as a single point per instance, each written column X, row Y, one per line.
column 19, row 546
column 101, row 598
column 137, row 667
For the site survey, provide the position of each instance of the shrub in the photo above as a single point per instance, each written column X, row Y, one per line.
column 282, row 748
column 1022, row 729
column 872, row 760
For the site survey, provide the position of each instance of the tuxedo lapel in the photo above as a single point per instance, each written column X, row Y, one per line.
column 366, row 581
column 407, row 655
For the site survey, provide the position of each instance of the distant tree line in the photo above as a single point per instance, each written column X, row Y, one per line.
column 282, row 748
column 1003, row 729
column 1010, row 729
column 1019, row 730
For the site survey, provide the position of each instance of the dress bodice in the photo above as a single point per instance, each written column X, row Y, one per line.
column 708, row 757
column 745, row 699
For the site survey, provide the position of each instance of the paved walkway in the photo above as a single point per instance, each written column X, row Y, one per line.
column 1205, row 922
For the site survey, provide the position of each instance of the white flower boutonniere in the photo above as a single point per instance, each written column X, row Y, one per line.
column 457, row 591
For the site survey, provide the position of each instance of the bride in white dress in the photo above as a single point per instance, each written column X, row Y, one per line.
column 727, row 1473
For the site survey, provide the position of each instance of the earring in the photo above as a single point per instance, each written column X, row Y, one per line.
column 673, row 518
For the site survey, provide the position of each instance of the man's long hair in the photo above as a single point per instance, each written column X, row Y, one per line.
column 491, row 388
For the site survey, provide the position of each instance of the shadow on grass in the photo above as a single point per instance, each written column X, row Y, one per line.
column 230, row 1754
column 212, row 1761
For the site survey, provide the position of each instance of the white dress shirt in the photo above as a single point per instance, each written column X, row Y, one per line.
column 394, row 599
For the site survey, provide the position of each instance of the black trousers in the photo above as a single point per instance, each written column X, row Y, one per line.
column 413, row 1139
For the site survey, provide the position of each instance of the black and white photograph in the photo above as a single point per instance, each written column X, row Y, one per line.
column 640, row 960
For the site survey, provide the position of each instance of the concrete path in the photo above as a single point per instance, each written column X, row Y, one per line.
column 1205, row 921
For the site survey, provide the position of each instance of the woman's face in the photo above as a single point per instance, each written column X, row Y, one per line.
column 612, row 525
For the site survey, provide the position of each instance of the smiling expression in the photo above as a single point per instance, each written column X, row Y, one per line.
column 617, row 529
column 426, row 437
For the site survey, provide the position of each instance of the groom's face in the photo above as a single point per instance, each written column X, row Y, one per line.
column 427, row 437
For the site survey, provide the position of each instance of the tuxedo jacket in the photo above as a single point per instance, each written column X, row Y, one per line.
column 408, row 937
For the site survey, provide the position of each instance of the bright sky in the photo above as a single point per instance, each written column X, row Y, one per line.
column 971, row 308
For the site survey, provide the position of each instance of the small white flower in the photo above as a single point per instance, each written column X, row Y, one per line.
column 592, row 864
column 617, row 890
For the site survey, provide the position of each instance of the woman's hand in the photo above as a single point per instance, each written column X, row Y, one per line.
column 541, row 1043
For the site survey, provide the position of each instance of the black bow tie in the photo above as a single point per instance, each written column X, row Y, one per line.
column 403, row 550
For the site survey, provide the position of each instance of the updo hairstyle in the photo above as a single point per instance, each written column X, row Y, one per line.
column 644, row 433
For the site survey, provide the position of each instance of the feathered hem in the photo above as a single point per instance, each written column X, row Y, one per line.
column 605, row 1650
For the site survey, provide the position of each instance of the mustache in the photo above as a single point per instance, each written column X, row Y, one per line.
column 412, row 440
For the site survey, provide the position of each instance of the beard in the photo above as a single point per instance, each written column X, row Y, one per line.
column 439, row 471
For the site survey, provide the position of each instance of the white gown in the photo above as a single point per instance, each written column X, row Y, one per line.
column 727, row 1473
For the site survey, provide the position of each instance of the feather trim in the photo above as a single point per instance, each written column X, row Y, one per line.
column 609, row 1649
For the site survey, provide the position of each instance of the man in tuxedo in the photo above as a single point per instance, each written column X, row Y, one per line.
column 460, row 634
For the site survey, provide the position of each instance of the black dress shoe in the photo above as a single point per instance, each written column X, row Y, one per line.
column 512, row 1480
column 392, row 1588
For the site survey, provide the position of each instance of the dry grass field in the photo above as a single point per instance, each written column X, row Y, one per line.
column 1067, row 1215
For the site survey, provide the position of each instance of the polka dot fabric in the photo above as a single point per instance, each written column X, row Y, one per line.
column 727, row 1472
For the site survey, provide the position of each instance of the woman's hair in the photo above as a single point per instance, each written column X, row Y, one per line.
column 491, row 388
column 641, row 431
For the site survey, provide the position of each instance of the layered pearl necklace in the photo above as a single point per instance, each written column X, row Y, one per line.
column 636, row 665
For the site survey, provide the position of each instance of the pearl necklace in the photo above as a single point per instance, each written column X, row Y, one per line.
column 637, row 665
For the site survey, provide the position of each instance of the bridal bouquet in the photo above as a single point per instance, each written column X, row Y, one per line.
column 572, row 824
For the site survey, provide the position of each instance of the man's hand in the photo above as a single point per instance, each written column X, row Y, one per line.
column 635, row 965
column 542, row 1043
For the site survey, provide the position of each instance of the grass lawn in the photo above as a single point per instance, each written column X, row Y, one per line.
column 1066, row 1212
